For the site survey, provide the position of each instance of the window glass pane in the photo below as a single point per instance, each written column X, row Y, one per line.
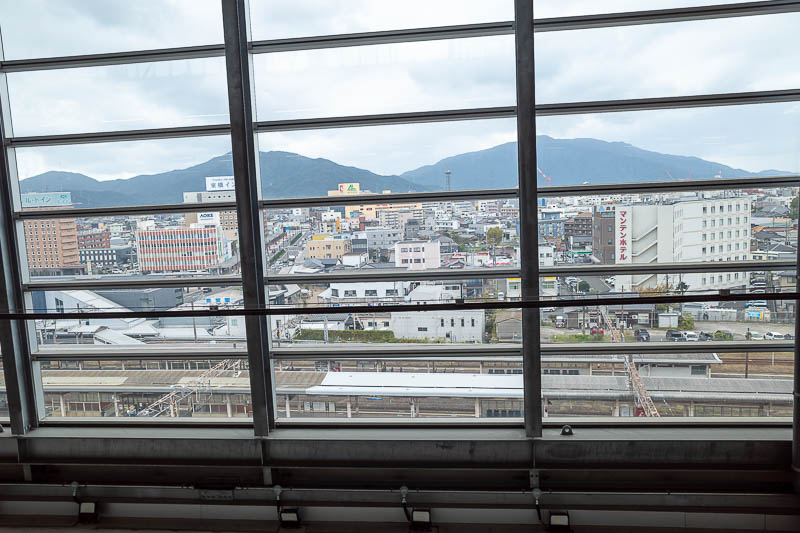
column 137, row 334
column 750, row 322
column 405, row 329
column 119, row 97
column 127, row 247
column 382, row 293
column 116, row 174
column 679, row 385
column 387, row 78
column 560, row 8
column 75, row 27
column 657, row 60
column 434, row 388
column 479, row 154
column 175, row 389
column 678, row 227
column 415, row 236
column 734, row 142
column 277, row 19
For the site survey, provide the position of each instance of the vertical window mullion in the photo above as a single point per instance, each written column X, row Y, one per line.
column 529, row 238
column 244, row 144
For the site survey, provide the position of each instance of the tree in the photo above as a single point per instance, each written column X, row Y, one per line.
column 793, row 208
column 686, row 322
column 584, row 286
column 494, row 236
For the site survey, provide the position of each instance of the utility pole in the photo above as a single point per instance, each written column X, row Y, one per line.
column 746, row 364
column 194, row 321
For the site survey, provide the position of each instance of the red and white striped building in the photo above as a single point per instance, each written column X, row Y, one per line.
column 181, row 248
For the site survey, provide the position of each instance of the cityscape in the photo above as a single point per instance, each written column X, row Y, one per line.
column 468, row 236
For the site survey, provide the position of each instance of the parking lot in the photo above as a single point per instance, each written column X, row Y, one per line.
column 739, row 329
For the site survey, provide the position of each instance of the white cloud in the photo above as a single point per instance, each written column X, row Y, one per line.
column 627, row 62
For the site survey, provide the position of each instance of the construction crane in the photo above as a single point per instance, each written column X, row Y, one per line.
column 168, row 404
column 545, row 176
column 643, row 399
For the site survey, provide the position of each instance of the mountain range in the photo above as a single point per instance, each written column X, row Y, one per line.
column 286, row 174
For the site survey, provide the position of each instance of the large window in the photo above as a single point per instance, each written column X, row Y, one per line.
column 414, row 232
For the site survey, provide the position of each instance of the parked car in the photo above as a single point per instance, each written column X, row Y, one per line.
column 756, row 336
column 597, row 330
column 641, row 335
column 788, row 337
column 774, row 336
column 561, row 322
column 705, row 336
column 673, row 335
column 691, row 336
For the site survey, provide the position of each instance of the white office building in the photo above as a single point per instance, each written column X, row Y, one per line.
column 451, row 326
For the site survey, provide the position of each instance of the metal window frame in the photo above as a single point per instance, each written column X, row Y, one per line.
column 523, row 88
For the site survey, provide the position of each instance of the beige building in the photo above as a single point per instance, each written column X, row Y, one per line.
column 327, row 248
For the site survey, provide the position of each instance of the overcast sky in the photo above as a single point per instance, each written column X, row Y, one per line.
column 629, row 62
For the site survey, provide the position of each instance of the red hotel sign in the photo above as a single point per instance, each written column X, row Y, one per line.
column 623, row 240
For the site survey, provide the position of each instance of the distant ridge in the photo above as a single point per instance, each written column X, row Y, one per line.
column 286, row 174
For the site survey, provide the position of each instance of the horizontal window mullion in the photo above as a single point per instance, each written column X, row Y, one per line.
column 387, row 119
column 659, row 16
column 458, row 306
column 669, row 186
column 669, row 102
column 121, row 135
column 113, row 58
column 397, row 352
column 155, row 352
column 122, row 283
column 111, row 355
column 360, row 276
column 635, row 348
column 78, row 212
column 668, row 268
column 383, row 37
column 435, row 196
